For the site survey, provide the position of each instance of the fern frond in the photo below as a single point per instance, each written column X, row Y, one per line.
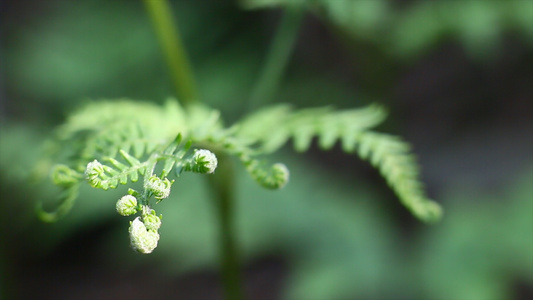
column 127, row 137
column 173, row 155
column 270, row 129
column 69, row 181
column 105, row 176
column 64, row 176
column 108, row 141
column 203, row 122
column 67, row 197
column 273, row 177
column 117, row 142
column 391, row 156
column 273, row 127
column 101, row 129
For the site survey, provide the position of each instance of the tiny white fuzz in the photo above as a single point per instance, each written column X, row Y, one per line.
column 127, row 205
column 141, row 239
column 205, row 161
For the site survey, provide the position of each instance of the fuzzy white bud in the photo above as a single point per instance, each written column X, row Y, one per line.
column 127, row 205
column 159, row 187
column 204, row 161
column 93, row 172
column 141, row 239
column 151, row 221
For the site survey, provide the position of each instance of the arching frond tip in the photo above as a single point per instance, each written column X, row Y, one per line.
column 429, row 211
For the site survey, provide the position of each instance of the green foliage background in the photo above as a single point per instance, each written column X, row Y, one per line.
column 454, row 75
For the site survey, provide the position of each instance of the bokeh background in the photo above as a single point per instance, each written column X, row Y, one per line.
column 456, row 77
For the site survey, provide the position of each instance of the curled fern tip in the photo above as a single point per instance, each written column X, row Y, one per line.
column 204, row 161
column 142, row 239
column 160, row 188
column 93, row 172
column 150, row 219
column 127, row 205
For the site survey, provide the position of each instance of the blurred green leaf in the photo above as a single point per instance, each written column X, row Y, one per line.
column 83, row 49
column 483, row 245
column 415, row 28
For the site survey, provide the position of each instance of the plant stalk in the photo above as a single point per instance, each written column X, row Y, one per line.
column 223, row 187
column 179, row 67
column 277, row 58
column 222, row 184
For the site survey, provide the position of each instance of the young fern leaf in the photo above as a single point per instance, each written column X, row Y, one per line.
column 132, row 138
column 67, row 197
column 69, row 181
column 64, row 176
column 98, row 131
column 169, row 163
column 101, row 129
column 272, row 128
column 173, row 158
column 274, row 177
column 105, row 177
column 391, row 156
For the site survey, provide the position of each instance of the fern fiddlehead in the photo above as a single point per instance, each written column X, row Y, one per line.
column 142, row 239
column 145, row 145
column 120, row 145
column 127, row 205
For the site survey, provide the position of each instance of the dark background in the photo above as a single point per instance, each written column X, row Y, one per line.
column 456, row 77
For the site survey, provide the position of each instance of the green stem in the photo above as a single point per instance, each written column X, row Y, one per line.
column 165, row 27
column 222, row 184
column 277, row 58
